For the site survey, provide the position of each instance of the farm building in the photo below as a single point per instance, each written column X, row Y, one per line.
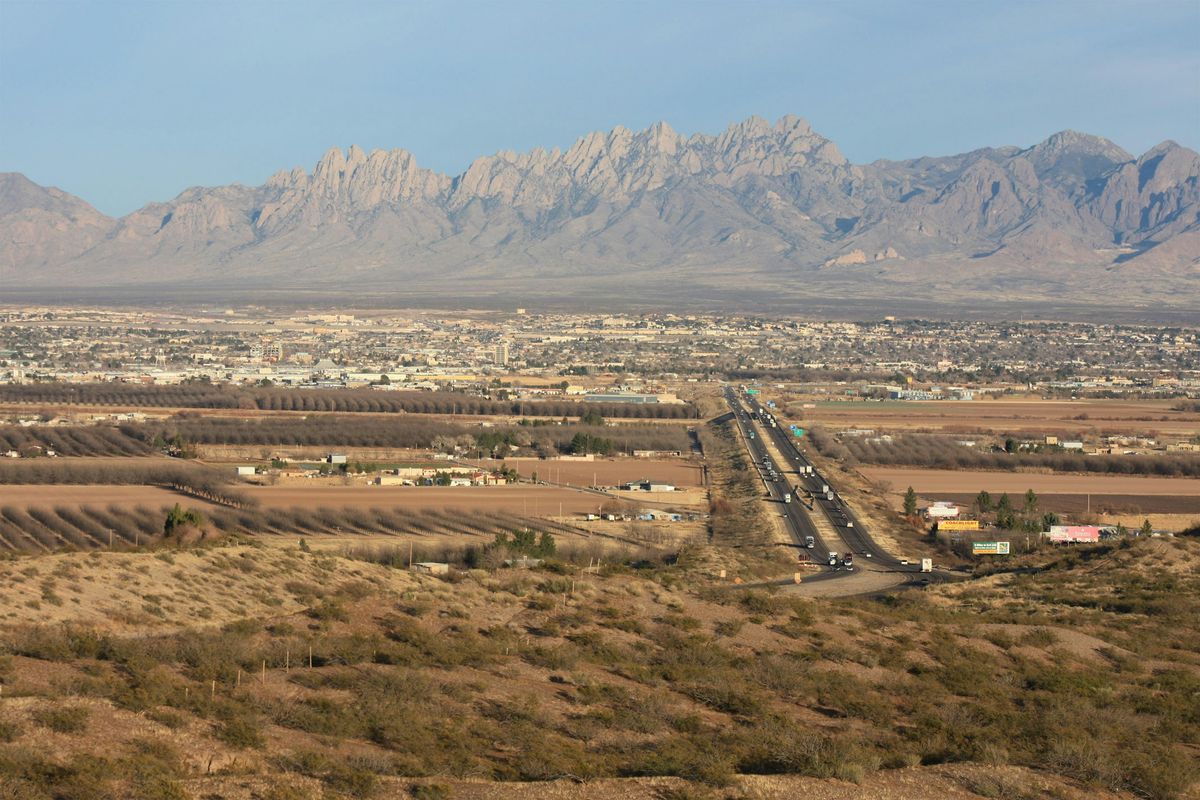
column 646, row 486
column 660, row 516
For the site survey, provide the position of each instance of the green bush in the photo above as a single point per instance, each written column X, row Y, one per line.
column 63, row 718
column 240, row 732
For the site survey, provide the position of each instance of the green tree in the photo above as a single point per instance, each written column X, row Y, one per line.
column 591, row 418
column 1005, row 518
column 177, row 517
column 1031, row 501
column 1050, row 519
column 1147, row 528
column 983, row 501
column 1010, row 445
column 910, row 503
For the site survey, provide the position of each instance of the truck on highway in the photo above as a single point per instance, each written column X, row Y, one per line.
column 787, row 497
column 833, row 559
column 810, row 542
column 848, row 561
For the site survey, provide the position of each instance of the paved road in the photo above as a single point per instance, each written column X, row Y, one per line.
column 813, row 490
column 798, row 525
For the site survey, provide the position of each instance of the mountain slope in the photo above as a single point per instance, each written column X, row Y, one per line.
column 41, row 227
column 771, row 206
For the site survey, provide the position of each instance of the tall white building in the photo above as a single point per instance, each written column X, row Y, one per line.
column 500, row 354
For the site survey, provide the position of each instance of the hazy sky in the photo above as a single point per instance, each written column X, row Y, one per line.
column 124, row 103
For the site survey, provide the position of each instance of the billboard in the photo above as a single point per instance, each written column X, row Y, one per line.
column 752, row 391
column 990, row 548
column 958, row 524
column 798, row 432
column 1068, row 534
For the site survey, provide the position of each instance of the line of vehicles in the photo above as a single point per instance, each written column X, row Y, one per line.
column 778, row 488
column 812, row 490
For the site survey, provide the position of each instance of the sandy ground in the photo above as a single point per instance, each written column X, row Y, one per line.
column 945, row 480
column 67, row 495
column 942, row 782
column 607, row 472
column 688, row 497
column 1006, row 415
column 139, row 591
column 1160, row 522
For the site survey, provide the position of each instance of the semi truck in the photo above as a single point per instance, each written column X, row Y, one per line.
column 787, row 497
column 810, row 542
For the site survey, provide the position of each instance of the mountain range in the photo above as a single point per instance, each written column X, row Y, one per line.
column 771, row 212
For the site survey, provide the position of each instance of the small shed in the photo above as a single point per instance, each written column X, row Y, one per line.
column 431, row 568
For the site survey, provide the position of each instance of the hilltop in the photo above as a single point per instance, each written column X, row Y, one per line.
column 324, row 674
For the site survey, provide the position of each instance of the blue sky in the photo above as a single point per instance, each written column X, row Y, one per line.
column 125, row 103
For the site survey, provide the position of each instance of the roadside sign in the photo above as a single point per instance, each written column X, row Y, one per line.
column 752, row 391
column 958, row 524
column 798, row 432
column 990, row 548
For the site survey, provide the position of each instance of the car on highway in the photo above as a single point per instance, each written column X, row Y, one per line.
column 810, row 542
column 833, row 559
column 848, row 561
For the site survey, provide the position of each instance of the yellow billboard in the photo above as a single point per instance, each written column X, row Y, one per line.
column 958, row 524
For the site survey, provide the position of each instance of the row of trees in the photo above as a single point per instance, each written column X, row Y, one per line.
column 195, row 479
column 40, row 528
column 77, row 440
column 268, row 398
column 183, row 432
column 1005, row 514
column 939, row 452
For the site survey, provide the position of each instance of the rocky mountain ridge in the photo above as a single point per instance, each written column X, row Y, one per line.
column 775, row 206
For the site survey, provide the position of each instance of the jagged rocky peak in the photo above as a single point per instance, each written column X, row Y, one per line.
column 758, row 197
column 1071, row 156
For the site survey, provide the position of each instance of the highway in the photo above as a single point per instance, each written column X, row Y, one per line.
column 812, row 488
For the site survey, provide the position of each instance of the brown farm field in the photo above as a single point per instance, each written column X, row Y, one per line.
column 948, row 480
column 1117, row 496
column 74, row 494
column 1034, row 416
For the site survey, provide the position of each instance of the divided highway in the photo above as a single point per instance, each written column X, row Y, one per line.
column 799, row 526
column 814, row 487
